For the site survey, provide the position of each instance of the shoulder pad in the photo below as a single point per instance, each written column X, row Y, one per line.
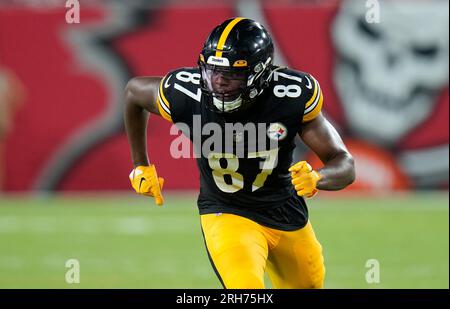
column 295, row 85
column 177, row 89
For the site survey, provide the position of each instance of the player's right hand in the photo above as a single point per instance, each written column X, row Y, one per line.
column 145, row 181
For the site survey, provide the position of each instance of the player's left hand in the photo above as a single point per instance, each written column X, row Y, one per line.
column 304, row 179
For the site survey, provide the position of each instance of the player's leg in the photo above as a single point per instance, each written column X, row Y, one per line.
column 296, row 261
column 237, row 249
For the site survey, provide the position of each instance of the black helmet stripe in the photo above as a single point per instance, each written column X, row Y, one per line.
column 225, row 33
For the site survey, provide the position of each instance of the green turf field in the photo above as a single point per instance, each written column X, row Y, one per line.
column 125, row 242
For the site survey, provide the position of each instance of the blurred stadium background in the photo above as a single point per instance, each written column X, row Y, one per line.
column 64, row 158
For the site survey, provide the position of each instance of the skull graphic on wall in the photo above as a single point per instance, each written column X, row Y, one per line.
column 388, row 74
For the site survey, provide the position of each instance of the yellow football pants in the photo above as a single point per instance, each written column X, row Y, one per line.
column 240, row 249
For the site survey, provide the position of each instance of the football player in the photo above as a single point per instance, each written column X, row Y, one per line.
column 253, row 213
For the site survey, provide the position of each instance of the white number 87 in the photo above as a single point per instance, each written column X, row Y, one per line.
column 290, row 91
column 237, row 180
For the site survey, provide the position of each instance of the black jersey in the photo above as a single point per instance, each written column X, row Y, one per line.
column 245, row 170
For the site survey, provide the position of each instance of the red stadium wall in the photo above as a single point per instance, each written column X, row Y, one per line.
column 71, row 88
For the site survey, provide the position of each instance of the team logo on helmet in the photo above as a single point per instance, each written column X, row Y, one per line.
column 218, row 61
column 277, row 131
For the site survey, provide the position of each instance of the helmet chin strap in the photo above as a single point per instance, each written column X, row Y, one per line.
column 227, row 106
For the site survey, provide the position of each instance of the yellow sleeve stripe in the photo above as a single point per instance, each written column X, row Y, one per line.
column 162, row 96
column 314, row 96
column 313, row 105
column 163, row 103
column 162, row 112
column 315, row 111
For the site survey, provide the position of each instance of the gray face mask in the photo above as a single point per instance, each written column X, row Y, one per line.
column 226, row 88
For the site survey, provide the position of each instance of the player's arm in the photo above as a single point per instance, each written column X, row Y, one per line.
column 140, row 99
column 322, row 138
column 141, row 95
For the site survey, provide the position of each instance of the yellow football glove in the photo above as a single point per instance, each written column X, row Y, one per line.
column 304, row 179
column 145, row 181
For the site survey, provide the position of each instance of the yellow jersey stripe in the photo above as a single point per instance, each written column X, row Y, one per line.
column 314, row 96
column 161, row 93
column 163, row 103
column 314, row 104
column 314, row 112
column 162, row 112
column 224, row 35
